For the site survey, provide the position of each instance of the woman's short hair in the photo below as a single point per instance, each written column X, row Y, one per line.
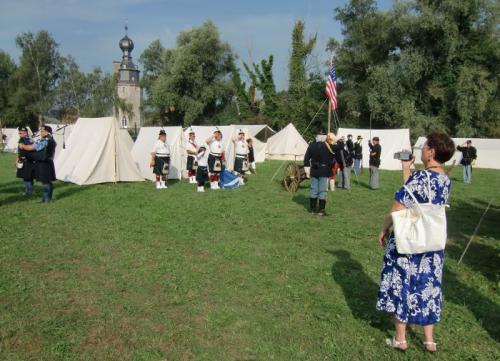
column 443, row 146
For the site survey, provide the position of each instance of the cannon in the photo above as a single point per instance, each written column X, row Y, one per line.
column 293, row 175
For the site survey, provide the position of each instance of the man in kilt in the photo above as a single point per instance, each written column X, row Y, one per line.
column 192, row 152
column 241, row 155
column 42, row 153
column 202, row 170
column 160, row 160
column 25, row 167
column 215, row 158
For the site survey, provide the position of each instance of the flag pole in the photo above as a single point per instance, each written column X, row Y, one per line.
column 329, row 100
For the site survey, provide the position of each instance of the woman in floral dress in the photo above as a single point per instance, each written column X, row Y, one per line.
column 410, row 285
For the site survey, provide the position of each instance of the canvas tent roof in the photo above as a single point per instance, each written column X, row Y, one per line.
column 391, row 141
column 141, row 151
column 488, row 151
column 96, row 152
column 287, row 144
column 8, row 132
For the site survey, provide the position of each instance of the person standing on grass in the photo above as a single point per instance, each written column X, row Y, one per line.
column 358, row 154
column 320, row 157
column 192, row 151
column 410, row 284
column 160, row 160
column 469, row 155
column 251, row 157
column 202, row 170
column 375, row 152
column 42, row 152
column 241, row 155
column 25, row 167
column 215, row 158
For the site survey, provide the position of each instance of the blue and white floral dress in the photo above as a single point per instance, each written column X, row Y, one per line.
column 410, row 285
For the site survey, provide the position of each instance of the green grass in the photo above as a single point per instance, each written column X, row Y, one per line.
column 127, row 272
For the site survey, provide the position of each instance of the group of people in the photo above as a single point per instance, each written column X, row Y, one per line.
column 35, row 161
column 204, row 162
column 326, row 159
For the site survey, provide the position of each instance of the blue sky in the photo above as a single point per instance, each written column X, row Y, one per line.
column 90, row 30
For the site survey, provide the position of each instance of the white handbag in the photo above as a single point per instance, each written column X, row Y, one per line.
column 421, row 228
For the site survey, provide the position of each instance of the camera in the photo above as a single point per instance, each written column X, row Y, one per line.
column 405, row 155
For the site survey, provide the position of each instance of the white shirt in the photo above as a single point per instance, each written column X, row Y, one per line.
column 215, row 147
column 202, row 158
column 192, row 147
column 241, row 147
column 161, row 149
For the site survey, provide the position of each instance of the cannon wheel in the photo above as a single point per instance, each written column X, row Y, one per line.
column 292, row 177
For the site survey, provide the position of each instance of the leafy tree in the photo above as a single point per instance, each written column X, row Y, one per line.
column 7, row 69
column 194, row 83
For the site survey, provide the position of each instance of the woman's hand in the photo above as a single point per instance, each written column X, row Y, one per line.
column 381, row 238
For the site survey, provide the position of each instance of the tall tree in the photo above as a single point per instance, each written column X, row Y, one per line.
column 299, row 86
column 7, row 69
column 195, row 80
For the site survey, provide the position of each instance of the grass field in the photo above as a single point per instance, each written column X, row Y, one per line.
column 127, row 272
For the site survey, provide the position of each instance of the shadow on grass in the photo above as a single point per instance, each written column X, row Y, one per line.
column 60, row 191
column 486, row 311
column 359, row 290
column 301, row 200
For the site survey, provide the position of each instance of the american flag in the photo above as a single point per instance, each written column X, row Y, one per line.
column 331, row 87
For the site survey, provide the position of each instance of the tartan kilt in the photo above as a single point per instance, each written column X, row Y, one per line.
column 159, row 163
column 211, row 162
column 190, row 164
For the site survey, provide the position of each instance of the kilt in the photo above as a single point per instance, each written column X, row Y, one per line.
column 45, row 171
column 211, row 162
column 27, row 172
column 159, row 163
column 238, row 164
column 202, row 174
column 190, row 163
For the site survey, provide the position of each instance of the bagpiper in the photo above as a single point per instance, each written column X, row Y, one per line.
column 25, row 167
column 192, row 152
column 215, row 158
column 160, row 160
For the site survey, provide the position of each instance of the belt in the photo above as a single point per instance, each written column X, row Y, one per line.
column 241, row 155
column 215, row 154
column 162, row 155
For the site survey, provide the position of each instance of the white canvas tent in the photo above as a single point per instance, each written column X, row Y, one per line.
column 60, row 133
column 488, row 151
column 9, row 133
column 141, row 151
column 261, row 132
column 96, row 152
column 391, row 141
column 11, row 145
column 287, row 144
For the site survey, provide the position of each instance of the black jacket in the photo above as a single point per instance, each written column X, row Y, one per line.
column 468, row 154
column 320, row 159
column 358, row 150
column 375, row 151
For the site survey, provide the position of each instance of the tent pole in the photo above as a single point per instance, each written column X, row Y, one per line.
column 116, row 154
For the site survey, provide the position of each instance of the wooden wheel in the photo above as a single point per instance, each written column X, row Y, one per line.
column 292, row 177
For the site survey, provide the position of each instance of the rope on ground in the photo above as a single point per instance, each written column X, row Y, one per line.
column 475, row 231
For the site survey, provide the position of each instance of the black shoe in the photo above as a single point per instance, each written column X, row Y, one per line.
column 312, row 204
column 322, row 205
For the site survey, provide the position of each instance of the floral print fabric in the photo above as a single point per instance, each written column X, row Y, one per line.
column 410, row 285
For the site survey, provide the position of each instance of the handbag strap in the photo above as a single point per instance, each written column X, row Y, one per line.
column 428, row 194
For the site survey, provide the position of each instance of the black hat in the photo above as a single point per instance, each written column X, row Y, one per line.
column 22, row 128
column 349, row 136
column 46, row 128
column 360, row 137
column 375, row 139
column 469, row 141
column 162, row 132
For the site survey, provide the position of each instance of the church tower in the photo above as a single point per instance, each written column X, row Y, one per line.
column 128, row 87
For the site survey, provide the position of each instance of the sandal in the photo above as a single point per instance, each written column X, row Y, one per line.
column 430, row 346
column 398, row 345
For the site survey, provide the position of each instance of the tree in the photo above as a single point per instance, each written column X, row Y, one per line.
column 298, row 89
column 7, row 69
column 36, row 77
column 194, row 83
